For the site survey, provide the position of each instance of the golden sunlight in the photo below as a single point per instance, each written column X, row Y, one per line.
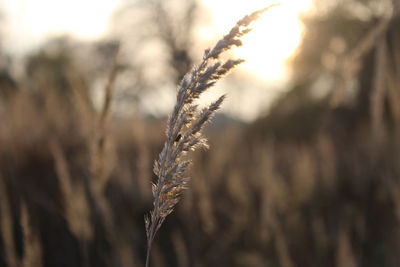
column 274, row 38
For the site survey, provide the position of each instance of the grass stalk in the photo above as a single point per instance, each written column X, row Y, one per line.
column 185, row 124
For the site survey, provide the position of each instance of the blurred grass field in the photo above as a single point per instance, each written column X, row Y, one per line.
column 313, row 182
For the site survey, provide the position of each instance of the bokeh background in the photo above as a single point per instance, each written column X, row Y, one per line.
column 303, row 168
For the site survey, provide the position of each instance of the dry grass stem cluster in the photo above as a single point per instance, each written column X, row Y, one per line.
column 185, row 125
column 315, row 182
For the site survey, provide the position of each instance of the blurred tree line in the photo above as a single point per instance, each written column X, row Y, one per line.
column 315, row 182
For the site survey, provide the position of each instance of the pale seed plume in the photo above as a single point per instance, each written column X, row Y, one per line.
column 185, row 124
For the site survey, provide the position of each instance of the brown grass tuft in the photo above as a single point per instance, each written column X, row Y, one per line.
column 185, row 125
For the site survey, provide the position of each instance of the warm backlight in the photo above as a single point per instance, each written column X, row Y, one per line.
column 274, row 39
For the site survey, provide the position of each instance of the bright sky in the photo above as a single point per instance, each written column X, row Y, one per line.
column 30, row 22
column 27, row 23
column 275, row 35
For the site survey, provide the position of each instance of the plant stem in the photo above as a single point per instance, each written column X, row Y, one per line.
column 148, row 255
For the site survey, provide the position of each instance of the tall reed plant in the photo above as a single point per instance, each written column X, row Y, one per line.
column 185, row 124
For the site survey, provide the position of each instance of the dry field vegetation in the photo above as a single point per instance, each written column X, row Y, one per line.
column 314, row 183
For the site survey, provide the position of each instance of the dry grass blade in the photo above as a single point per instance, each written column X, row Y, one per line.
column 185, row 125
column 99, row 166
column 6, row 228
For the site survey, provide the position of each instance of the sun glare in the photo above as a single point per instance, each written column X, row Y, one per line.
column 274, row 38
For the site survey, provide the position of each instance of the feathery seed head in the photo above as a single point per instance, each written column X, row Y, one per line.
column 186, row 122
